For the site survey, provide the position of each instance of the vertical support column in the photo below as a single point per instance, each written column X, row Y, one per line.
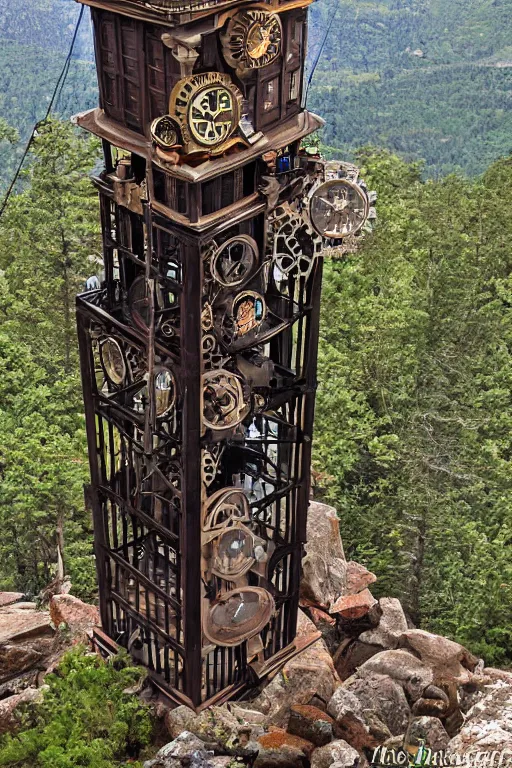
column 87, row 373
column 307, row 418
column 191, row 365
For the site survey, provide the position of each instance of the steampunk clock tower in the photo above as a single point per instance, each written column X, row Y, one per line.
column 198, row 349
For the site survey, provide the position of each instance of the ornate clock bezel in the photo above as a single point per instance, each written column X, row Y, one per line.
column 317, row 191
column 235, row 40
column 180, row 105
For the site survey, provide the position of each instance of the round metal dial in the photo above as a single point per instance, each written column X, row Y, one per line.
column 238, row 615
column 113, row 362
column 212, row 115
column 264, row 40
column 253, row 40
column 234, row 261
column 224, row 406
column 233, row 553
column 338, row 208
column 164, row 131
column 165, row 391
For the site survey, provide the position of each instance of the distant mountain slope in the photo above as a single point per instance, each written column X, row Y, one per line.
column 429, row 79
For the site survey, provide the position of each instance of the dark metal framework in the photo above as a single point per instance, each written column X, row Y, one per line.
column 198, row 350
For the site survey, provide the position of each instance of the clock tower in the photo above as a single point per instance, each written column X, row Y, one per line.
column 198, row 348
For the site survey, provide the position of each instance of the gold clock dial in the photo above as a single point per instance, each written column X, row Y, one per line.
column 113, row 361
column 207, row 108
column 164, row 131
column 212, row 115
column 338, row 208
column 264, row 40
column 253, row 39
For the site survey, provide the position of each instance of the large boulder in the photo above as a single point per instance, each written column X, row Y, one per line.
column 20, row 625
column 17, row 659
column 310, row 674
column 488, row 725
column 359, row 729
column 337, row 753
column 78, row 616
column 354, row 607
column 9, row 708
column 358, row 578
column 311, row 723
column 279, row 749
column 215, row 726
column 391, row 626
column 429, row 731
column 407, row 670
column 324, row 568
column 8, row 598
column 382, row 696
column 447, row 659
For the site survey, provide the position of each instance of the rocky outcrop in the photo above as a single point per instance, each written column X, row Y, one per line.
column 324, row 566
column 488, row 725
column 392, row 625
column 10, row 707
column 337, row 753
column 311, row 723
column 77, row 616
column 309, row 675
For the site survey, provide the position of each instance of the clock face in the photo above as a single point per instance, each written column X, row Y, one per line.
column 207, row 108
column 338, row 208
column 264, row 40
column 212, row 115
column 234, row 261
column 253, row 40
column 164, row 131
column 238, row 615
column 113, row 362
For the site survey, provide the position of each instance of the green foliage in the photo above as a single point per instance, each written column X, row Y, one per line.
column 85, row 721
column 48, row 235
column 413, row 430
column 427, row 80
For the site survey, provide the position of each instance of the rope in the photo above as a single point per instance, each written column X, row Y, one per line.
column 59, row 85
column 319, row 54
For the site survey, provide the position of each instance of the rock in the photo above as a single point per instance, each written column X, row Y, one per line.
column 80, row 617
column 343, row 702
column 247, row 716
column 26, row 606
column 279, row 749
column 8, row 707
column 407, row 670
column 488, row 726
column 358, row 578
column 337, row 753
column 16, row 659
column 8, row 598
column 184, row 744
column 353, row 657
column 19, row 625
column 494, row 675
column 311, row 724
column 354, row 627
column 391, row 626
column 354, row 606
column 18, row 683
column 449, row 660
column 383, row 697
column 324, row 566
column 430, row 731
column 216, row 726
column 309, row 674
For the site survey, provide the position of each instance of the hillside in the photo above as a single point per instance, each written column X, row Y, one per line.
column 425, row 78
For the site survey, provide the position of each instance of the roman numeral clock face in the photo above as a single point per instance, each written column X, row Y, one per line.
column 252, row 40
column 208, row 109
